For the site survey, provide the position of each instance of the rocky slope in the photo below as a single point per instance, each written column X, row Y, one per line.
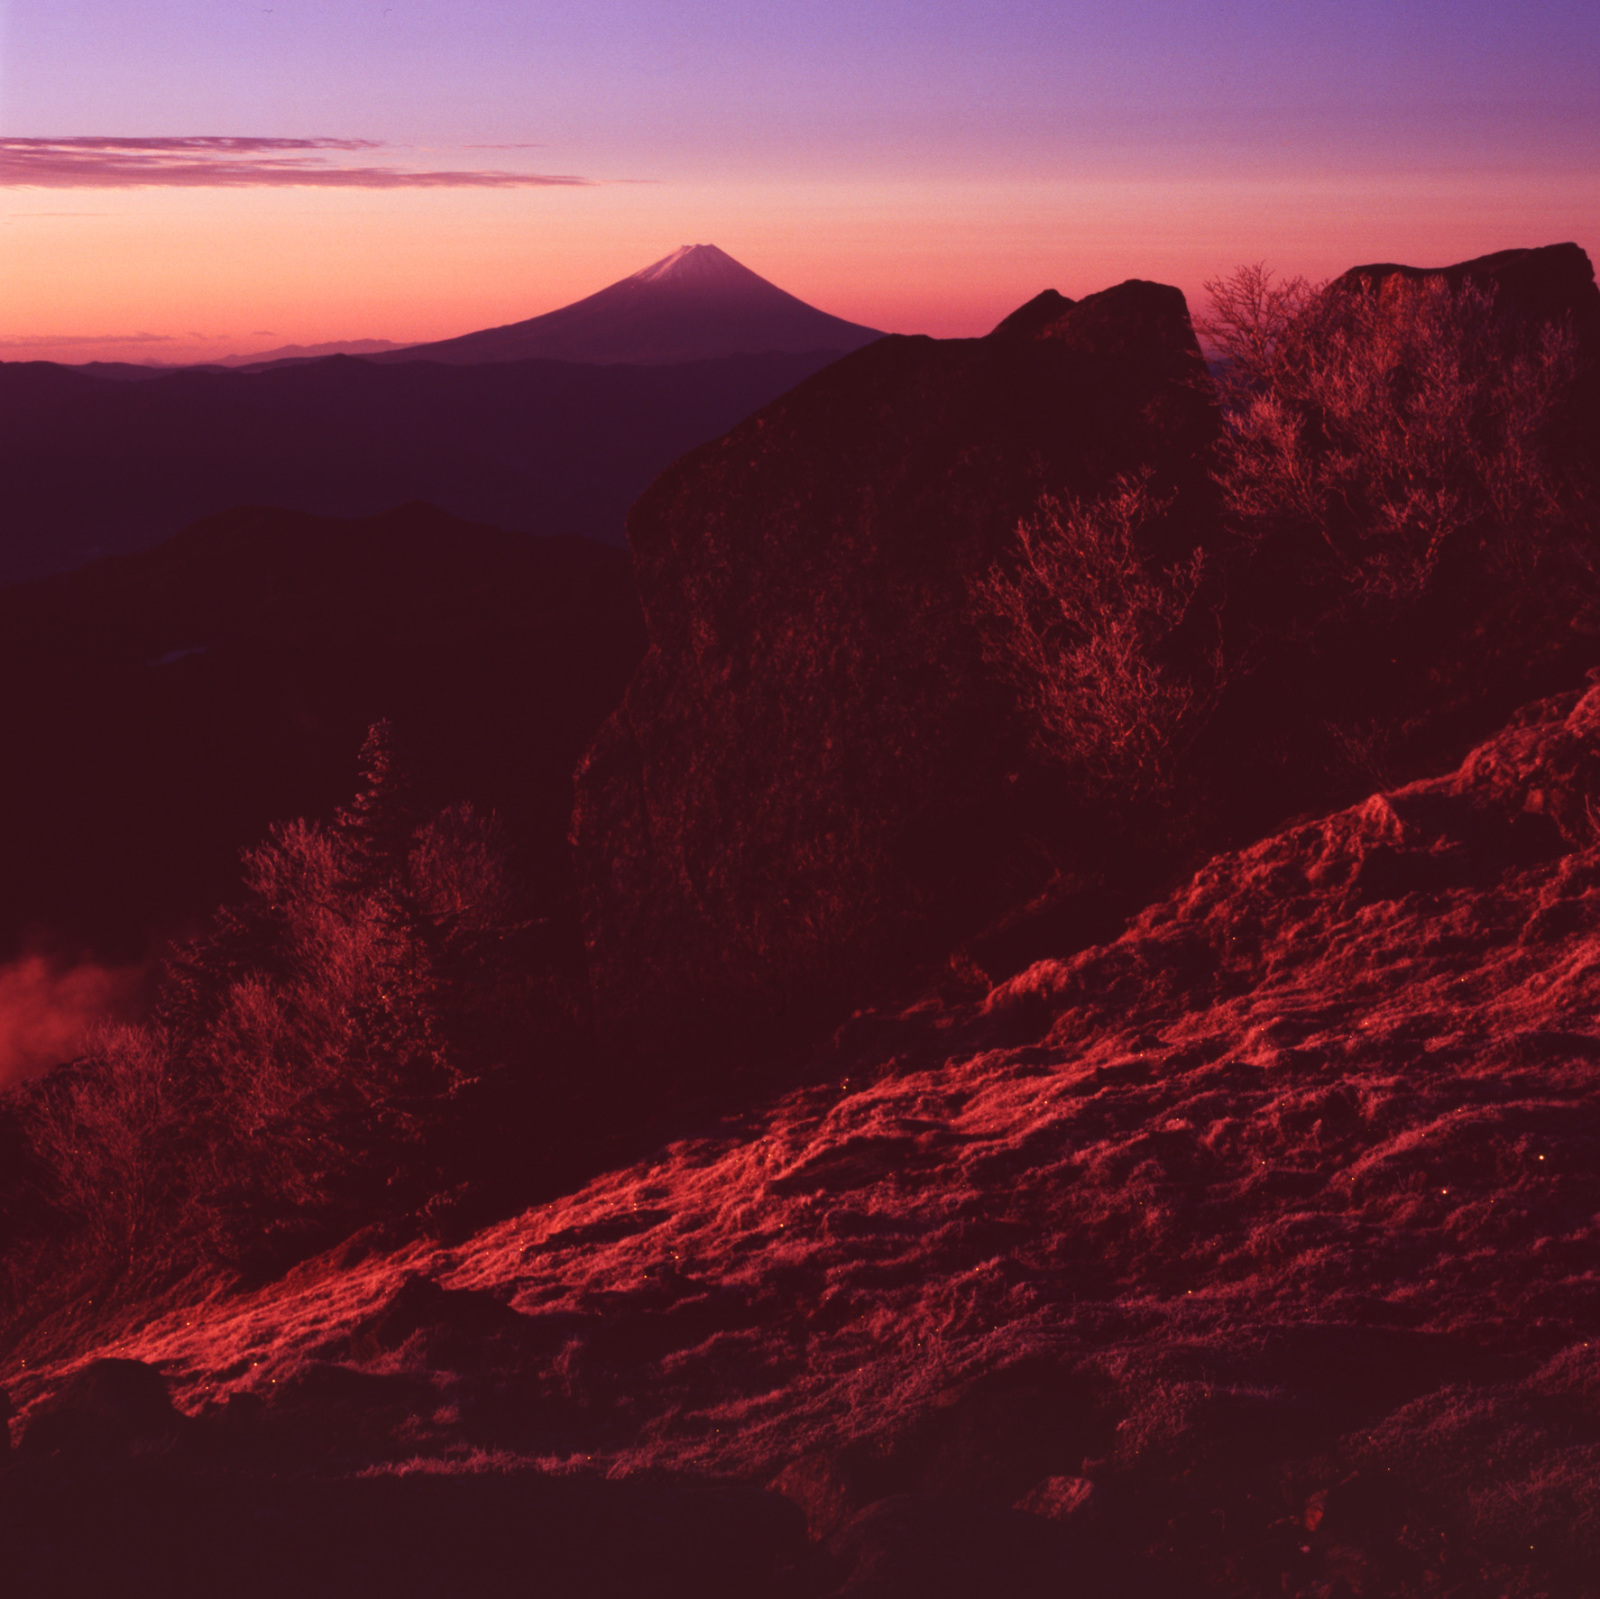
column 1254, row 1252
column 813, row 783
column 818, row 784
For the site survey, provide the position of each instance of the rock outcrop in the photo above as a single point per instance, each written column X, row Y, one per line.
column 1340, row 683
column 811, row 786
column 109, row 1407
column 1547, row 284
column 1553, row 283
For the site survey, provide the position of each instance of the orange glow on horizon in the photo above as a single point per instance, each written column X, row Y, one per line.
column 183, row 275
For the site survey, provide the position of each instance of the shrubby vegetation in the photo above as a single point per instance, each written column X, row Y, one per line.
column 1389, row 434
column 319, row 1061
column 1081, row 624
column 1393, row 494
column 374, row 1030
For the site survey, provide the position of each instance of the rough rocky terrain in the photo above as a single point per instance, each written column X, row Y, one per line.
column 1254, row 1252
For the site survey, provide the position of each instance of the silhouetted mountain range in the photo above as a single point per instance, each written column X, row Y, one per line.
column 308, row 352
column 552, row 426
column 694, row 305
column 95, row 465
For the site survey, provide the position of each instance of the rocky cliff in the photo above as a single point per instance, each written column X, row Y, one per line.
column 812, row 786
column 1547, row 284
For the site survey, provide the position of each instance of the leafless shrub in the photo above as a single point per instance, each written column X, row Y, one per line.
column 1363, row 748
column 303, row 1056
column 1251, row 316
column 1386, row 429
column 106, row 1129
column 458, row 871
column 1079, row 622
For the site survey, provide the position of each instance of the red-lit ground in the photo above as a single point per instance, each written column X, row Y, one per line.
column 1277, row 1221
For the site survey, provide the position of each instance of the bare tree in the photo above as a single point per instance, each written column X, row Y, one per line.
column 1078, row 622
column 306, row 1055
column 1384, row 428
column 108, row 1130
column 1251, row 315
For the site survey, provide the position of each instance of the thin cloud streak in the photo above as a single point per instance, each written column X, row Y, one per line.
column 216, row 162
column 78, row 340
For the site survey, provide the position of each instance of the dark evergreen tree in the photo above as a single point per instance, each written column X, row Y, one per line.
column 375, row 830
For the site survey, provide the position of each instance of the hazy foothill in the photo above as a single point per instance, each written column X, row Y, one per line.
column 1006, row 1004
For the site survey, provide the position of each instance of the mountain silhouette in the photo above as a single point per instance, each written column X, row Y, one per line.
column 305, row 352
column 103, row 461
column 696, row 304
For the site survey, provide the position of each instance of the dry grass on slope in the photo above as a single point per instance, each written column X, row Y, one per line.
column 1274, row 1221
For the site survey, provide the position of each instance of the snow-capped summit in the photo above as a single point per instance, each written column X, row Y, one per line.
column 696, row 304
column 703, row 268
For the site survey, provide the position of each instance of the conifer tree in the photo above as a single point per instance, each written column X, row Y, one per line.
column 376, row 828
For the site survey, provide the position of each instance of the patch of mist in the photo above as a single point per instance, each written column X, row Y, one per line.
column 49, row 1009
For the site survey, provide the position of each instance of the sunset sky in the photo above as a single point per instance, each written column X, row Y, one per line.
column 183, row 178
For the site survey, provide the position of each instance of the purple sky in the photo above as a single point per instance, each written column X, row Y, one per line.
column 913, row 165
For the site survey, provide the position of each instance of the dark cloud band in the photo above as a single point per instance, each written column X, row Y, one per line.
column 214, row 162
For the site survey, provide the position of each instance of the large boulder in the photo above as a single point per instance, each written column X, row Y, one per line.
column 106, row 1408
column 1551, row 283
column 1339, row 685
column 812, row 786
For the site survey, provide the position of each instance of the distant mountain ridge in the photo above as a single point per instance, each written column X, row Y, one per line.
column 98, row 462
column 306, row 352
column 693, row 305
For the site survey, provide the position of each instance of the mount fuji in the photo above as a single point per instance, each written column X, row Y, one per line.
column 696, row 304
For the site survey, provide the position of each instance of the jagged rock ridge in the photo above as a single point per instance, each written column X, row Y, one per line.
column 812, row 783
column 1550, row 283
